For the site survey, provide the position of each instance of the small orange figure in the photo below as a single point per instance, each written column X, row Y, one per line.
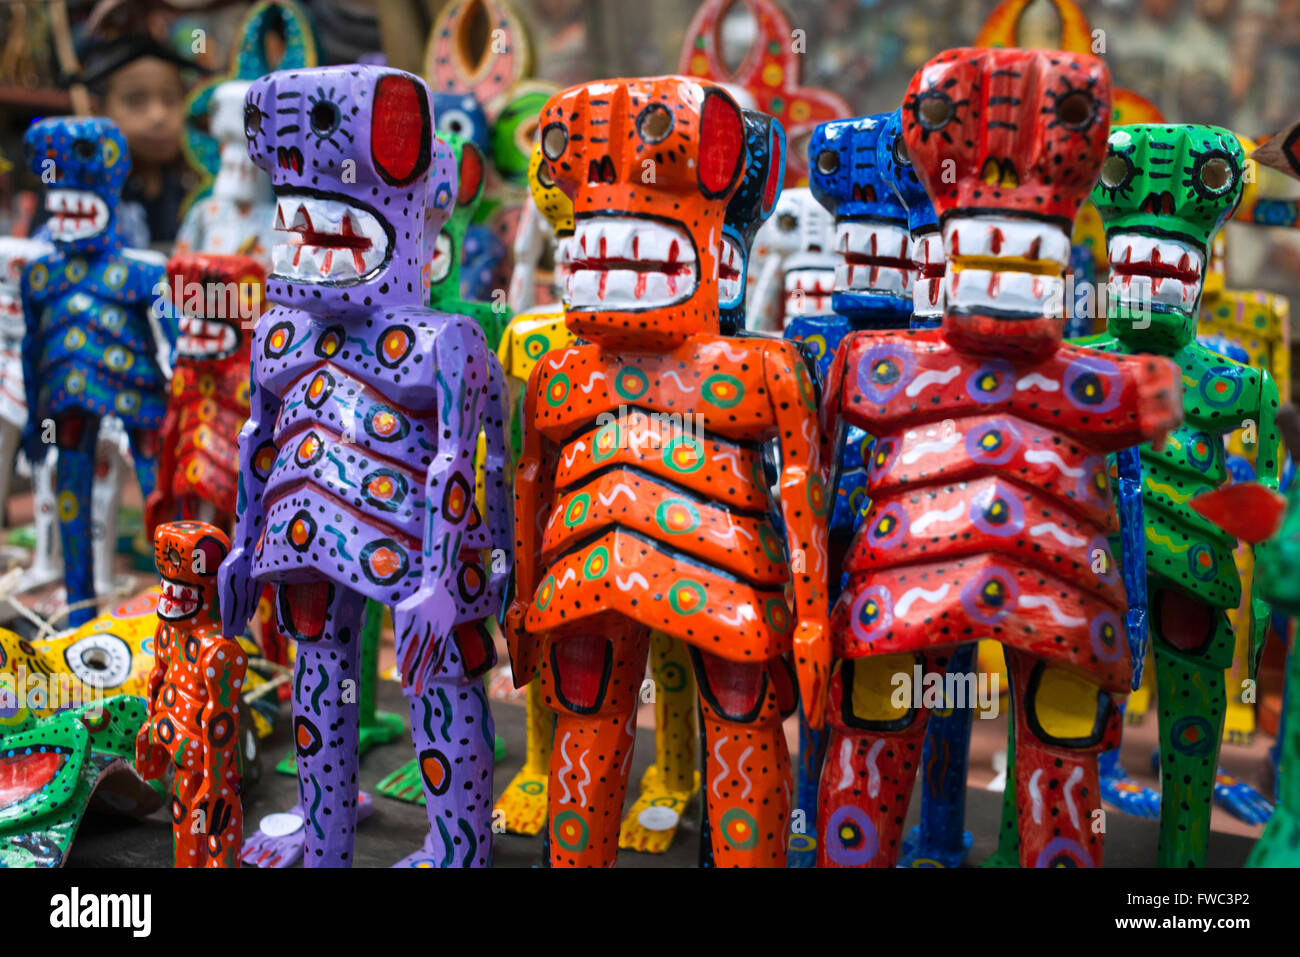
column 193, row 698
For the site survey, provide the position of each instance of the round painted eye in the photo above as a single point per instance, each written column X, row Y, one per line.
column 787, row 222
column 555, row 138
column 654, row 123
column 828, row 161
column 1075, row 110
column 84, row 150
column 544, row 177
column 1115, row 170
column 324, row 117
column 252, row 120
column 455, row 121
column 1216, row 174
column 934, row 110
column 900, row 152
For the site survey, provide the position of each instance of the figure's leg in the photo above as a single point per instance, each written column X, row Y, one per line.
column 74, row 481
column 47, row 559
column 871, row 761
column 144, row 453
column 591, row 682
column 523, row 802
column 1279, row 846
column 1193, row 644
column 225, row 818
column 669, row 784
column 747, row 762
column 941, row 839
column 1239, row 716
column 377, row 727
column 452, row 730
column 1063, row 722
column 189, row 848
column 1008, row 850
column 325, row 620
column 801, row 850
column 106, row 503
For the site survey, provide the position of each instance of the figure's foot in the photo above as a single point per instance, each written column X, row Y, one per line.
column 1128, row 797
column 801, row 849
column 918, row 854
column 652, row 823
column 1279, row 846
column 281, row 837
column 522, row 805
column 441, row 853
column 1240, row 799
column 404, row 784
column 385, row 728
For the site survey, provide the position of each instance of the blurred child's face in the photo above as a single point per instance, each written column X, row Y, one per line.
column 146, row 99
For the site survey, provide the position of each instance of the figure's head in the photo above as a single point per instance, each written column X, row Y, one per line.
column 84, row 162
column 801, row 233
column 873, row 277
column 557, row 210
column 349, row 150
column 753, row 202
column 922, row 223
column 460, row 115
column 1008, row 144
column 1163, row 194
column 650, row 165
column 469, row 168
column 218, row 299
column 238, row 180
column 187, row 556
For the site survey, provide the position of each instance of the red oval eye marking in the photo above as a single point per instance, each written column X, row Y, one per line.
column 722, row 143
column 470, row 174
column 775, row 165
column 399, row 129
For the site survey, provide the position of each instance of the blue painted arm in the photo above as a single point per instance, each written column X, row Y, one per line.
column 1128, row 468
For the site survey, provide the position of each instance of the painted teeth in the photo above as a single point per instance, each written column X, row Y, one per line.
column 362, row 246
column 996, row 237
column 601, row 246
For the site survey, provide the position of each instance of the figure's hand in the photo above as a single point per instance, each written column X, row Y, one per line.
column 1135, row 620
column 31, row 443
column 150, row 758
column 515, row 614
column 428, row 615
column 1240, row 799
column 812, row 661
column 1160, row 400
column 238, row 592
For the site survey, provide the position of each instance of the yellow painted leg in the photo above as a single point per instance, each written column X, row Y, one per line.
column 669, row 784
column 1239, row 718
column 521, row 809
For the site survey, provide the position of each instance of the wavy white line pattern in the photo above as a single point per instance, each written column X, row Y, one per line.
column 1058, row 616
column 914, row 594
column 1037, row 379
column 937, row 515
column 1035, row 795
column 582, row 785
column 568, row 576
column 571, row 456
column 620, row 489
column 1075, row 776
column 1039, row 456
column 672, row 374
column 1058, row 533
column 846, row 764
column 557, row 363
column 917, row 452
column 566, row 797
column 931, row 377
column 873, row 772
column 591, row 382
column 717, row 755
column 626, row 584
column 740, row 769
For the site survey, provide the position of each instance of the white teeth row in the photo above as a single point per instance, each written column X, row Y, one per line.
column 177, row 601
column 441, row 264
column 873, row 239
column 1017, row 292
column 882, row 279
column 808, row 291
column 1006, row 238
column 730, row 257
column 209, row 345
column 590, row 289
column 1165, row 290
column 75, row 213
column 638, row 240
column 309, row 263
column 927, row 293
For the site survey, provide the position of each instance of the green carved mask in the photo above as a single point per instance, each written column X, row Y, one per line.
column 1164, row 192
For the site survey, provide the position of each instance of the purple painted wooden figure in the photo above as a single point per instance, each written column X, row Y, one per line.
column 357, row 462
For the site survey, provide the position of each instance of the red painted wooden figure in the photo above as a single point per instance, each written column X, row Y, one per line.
column 641, row 498
column 218, row 299
column 194, row 699
column 991, row 499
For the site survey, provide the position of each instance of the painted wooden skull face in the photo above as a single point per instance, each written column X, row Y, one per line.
column 1163, row 193
column 927, row 242
column 238, row 180
column 187, row 556
column 84, row 162
column 1008, row 144
column 348, row 150
column 218, row 300
column 650, row 165
column 753, row 202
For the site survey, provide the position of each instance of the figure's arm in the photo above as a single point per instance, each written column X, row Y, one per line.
column 224, row 667
column 534, row 499
column 1152, row 386
column 805, row 507
column 1133, row 554
column 423, row 620
column 1266, row 473
column 150, row 756
column 497, row 480
column 257, row 454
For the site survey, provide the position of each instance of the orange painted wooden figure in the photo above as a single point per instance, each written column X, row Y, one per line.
column 193, row 699
column 642, row 501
